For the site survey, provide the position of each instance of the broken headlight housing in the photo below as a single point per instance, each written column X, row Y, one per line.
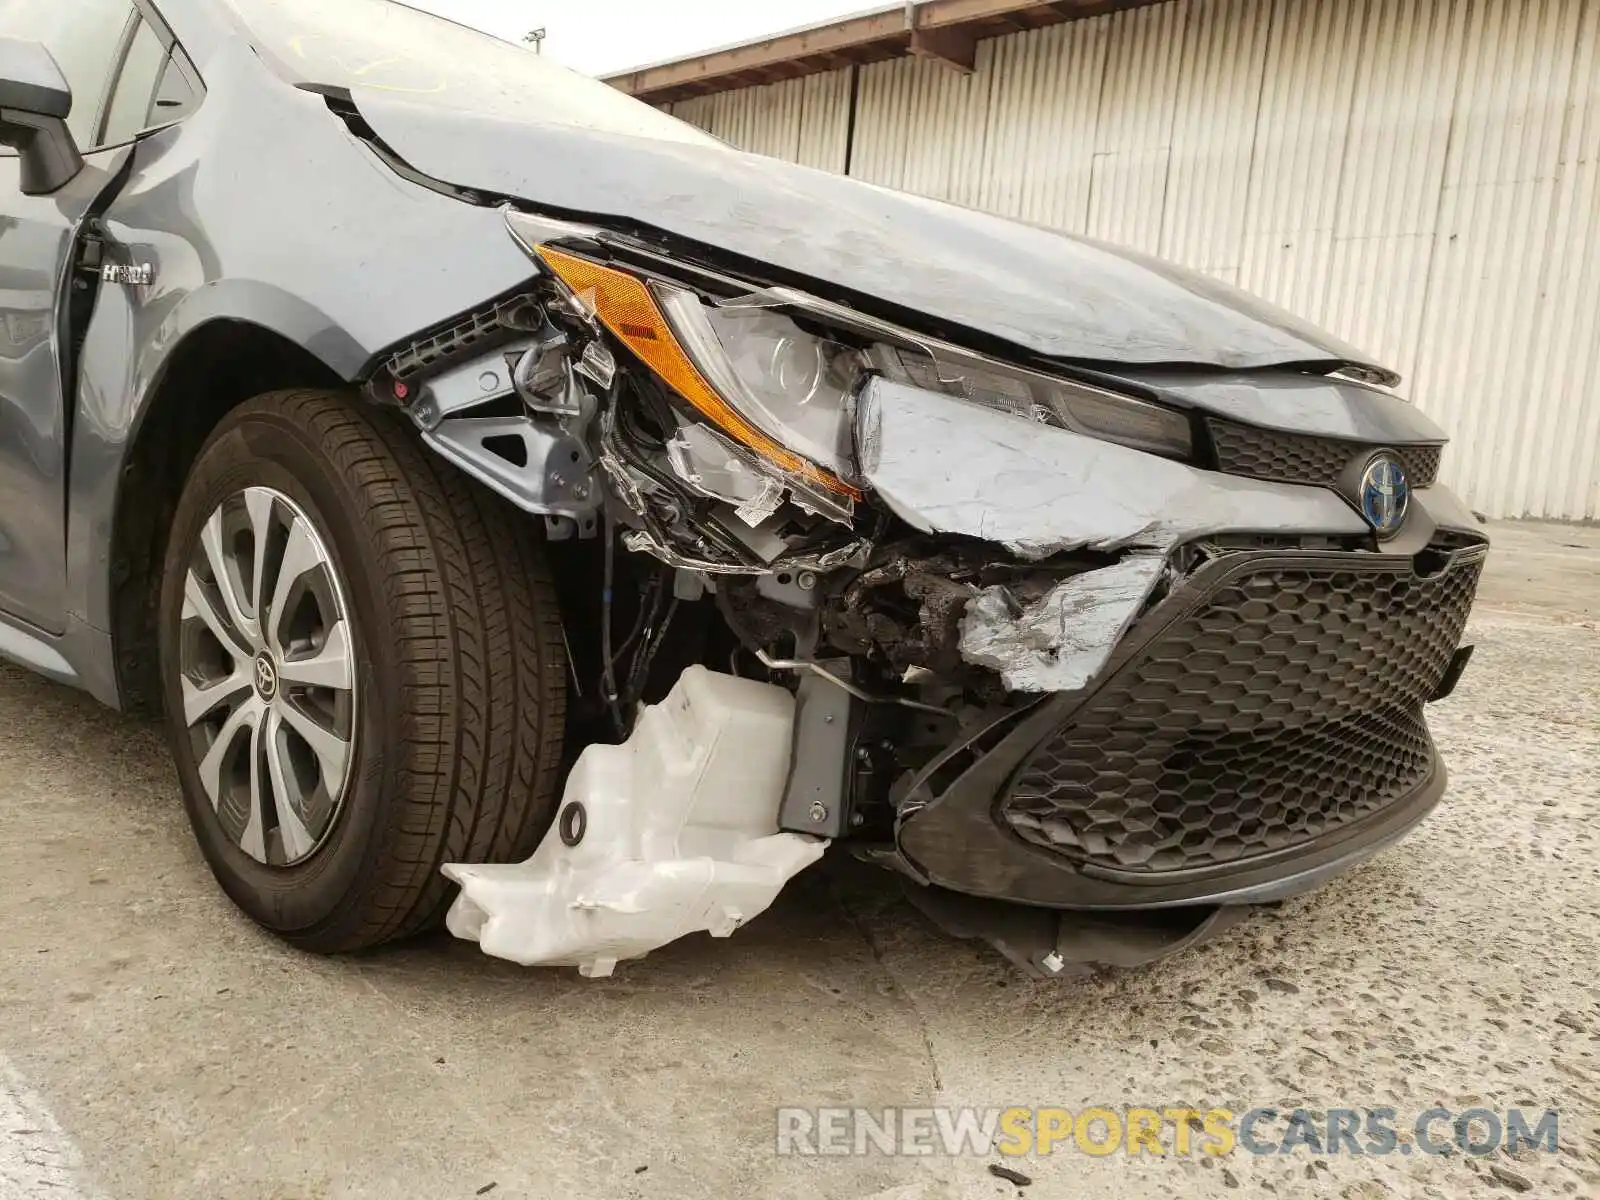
column 800, row 386
column 782, row 396
column 748, row 393
column 792, row 384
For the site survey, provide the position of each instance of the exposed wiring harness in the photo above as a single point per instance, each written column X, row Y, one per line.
column 773, row 663
column 657, row 608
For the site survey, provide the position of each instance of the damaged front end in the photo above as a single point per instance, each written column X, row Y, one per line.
column 1042, row 639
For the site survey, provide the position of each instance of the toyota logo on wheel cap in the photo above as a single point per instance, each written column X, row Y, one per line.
column 266, row 677
column 1385, row 494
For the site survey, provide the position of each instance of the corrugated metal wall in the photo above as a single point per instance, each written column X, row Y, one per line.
column 1421, row 176
column 804, row 120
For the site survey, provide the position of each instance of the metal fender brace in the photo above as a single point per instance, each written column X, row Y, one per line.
column 498, row 395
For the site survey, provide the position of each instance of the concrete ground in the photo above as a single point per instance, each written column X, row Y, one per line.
column 155, row 1044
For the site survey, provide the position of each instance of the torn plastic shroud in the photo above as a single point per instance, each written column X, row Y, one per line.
column 1051, row 944
column 669, row 833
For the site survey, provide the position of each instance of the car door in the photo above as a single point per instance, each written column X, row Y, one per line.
column 38, row 236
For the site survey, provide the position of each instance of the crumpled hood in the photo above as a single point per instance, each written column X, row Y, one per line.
column 1057, row 296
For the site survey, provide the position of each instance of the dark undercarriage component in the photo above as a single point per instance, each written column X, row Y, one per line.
column 1049, row 944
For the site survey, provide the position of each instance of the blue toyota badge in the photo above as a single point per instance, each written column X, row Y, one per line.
column 1385, row 494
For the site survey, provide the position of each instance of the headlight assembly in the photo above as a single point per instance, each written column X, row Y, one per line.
column 786, row 395
column 792, row 384
column 740, row 390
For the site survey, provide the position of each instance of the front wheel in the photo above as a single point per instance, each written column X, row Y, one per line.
column 362, row 668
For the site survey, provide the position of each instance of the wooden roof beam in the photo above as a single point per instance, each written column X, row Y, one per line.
column 956, row 48
column 945, row 30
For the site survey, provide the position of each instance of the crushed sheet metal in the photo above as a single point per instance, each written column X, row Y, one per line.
column 673, row 832
column 948, row 466
column 1061, row 642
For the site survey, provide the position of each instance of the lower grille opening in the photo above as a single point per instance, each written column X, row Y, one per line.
column 1287, row 706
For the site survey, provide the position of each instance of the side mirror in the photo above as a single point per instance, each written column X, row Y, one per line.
column 34, row 103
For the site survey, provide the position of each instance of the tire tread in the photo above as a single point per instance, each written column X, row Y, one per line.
column 476, row 634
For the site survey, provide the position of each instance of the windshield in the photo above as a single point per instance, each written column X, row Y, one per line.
column 389, row 47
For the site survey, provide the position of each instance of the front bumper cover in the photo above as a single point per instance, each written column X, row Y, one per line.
column 1296, row 637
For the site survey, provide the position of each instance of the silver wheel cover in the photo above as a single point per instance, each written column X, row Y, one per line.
column 267, row 676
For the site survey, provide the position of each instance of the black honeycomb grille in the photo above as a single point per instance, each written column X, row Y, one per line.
column 1298, row 458
column 1287, row 705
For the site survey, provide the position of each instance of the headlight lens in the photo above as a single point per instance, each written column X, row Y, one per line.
column 689, row 356
column 795, row 386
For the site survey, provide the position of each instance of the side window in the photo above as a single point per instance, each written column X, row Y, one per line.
column 84, row 36
column 133, row 99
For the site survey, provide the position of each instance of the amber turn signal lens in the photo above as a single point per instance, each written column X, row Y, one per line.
column 626, row 307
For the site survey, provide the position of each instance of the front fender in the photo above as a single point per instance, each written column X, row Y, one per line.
column 260, row 208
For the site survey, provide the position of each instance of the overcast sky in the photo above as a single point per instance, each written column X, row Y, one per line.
column 601, row 36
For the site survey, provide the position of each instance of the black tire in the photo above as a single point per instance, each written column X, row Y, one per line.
column 459, row 667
